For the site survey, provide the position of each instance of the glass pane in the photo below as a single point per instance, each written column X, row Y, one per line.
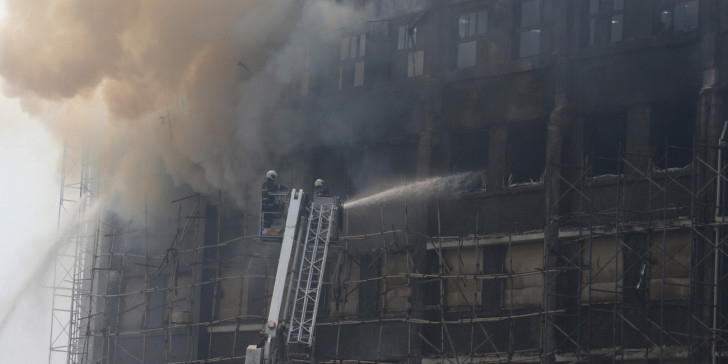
column 617, row 27
column 413, row 38
column 593, row 6
column 362, row 45
column 686, row 15
column 530, row 13
column 344, row 48
column 466, row 54
column 666, row 18
column 400, row 41
column 530, row 40
column 352, row 47
column 463, row 26
column 471, row 24
column 415, row 63
column 358, row 74
column 592, row 31
column 482, row 21
column 618, row 5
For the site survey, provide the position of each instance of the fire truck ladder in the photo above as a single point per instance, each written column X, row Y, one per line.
column 311, row 273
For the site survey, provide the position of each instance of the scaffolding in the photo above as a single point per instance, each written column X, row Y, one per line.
column 74, row 253
column 634, row 271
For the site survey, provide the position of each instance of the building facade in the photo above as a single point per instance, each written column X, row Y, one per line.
column 595, row 232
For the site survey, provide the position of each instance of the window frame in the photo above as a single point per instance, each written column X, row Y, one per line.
column 668, row 7
column 599, row 25
column 472, row 16
column 352, row 59
column 521, row 29
column 409, row 50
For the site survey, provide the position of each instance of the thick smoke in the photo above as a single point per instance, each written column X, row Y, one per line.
column 177, row 94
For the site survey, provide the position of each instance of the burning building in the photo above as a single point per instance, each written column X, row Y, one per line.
column 592, row 228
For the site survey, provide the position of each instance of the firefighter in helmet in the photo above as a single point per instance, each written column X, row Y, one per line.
column 320, row 188
column 269, row 190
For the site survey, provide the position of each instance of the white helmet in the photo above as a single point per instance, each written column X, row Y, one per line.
column 272, row 175
column 319, row 183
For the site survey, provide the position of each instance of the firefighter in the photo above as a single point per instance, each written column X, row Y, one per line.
column 269, row 190
column 320, row 188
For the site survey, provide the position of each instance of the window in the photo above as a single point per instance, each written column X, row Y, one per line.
column 407, row 37
column 351, row 67
column 530, row 28
column 606, row 21
column 672, row 126
column 605, row 133
column 469, row 151
column 471, row 27
column 677, row 16
column 407, row 41
column 525, row 151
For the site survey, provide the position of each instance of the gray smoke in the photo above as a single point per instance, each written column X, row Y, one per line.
column 177, row 94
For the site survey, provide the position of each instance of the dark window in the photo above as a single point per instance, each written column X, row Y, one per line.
column 472, row 26
column 677, row 16
column 605, row 21
column 533, row 29
column 606, row 134
column 525, row 153
column 672, row 126
column 469, row 151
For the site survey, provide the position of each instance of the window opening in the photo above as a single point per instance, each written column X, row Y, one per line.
column 606, row 21
column 672, row 122
column 470, row 151
column 529, row 37
column 525, row 154
column 352, row 64
column 605, row 133
column 677, row 16
column 407, row 40
column 472, row 26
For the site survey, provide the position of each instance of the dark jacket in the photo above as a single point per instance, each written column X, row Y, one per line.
column 322, row 191
column 269, row 188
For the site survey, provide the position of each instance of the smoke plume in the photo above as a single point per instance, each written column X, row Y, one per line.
column 175, row 94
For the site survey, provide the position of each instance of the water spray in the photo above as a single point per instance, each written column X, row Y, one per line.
column 435, row 186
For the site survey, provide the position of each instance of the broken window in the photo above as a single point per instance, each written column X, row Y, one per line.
column 672, row 126
column 472, row 26
column 677, row 16
column 351, row 66
column 469, row 151
column 606, row 21
column 605, row 137
column 415, row 55
column 525, row 153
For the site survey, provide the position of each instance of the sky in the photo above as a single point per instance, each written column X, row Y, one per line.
column 29, row 158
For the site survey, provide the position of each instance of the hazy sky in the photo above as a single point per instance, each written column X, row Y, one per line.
column 29, row 163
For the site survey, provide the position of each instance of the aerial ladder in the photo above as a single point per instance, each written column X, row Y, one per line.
column 301, row 278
